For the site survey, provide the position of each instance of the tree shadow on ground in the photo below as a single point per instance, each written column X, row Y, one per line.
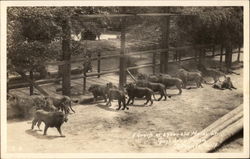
column 40, row 136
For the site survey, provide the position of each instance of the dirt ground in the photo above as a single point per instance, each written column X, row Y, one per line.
column 152, row 129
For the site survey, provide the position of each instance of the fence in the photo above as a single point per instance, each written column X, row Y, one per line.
column 99, row 58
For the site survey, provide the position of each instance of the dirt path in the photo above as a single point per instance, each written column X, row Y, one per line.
column 97, row 128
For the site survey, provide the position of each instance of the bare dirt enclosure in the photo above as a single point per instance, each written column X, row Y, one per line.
column 64, row 50
column 98, row 128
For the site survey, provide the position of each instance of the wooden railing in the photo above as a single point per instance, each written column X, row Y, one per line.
column 99, row 58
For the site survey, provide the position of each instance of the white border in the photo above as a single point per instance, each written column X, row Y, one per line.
column 244, row 3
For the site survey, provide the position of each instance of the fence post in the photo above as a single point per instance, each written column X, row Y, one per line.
column 123, row 61
column 165, row 28
column 66, row 51
column 99, row 63
column 201, row 55
column 238, row 58
column 221, row 53
column 7, row 81
column 154, row 61
column 84, row 83
column 179, row 54
column 213, row 50
column 195, row 54
column 31, row 87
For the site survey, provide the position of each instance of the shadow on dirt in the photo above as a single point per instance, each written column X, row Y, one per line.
column 105, row 107
column 139, row 105
column 191, row 87
column 40, row 136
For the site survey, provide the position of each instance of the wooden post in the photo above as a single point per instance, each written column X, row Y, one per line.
column 84, row 83
column 179, row 53
column 204, row 53
column 7, row 81
column 161, row 62
column 195, row 54
column 23, row 75
column 238, row 57
column 130, row 74
column 200, row 55
column 123, row 61
column 165, row 26
column 99, row 63
column 84, row 67
column 213, row 50
column 66, row 50
column 31, row 87
column 221, row 53
column 154, row 61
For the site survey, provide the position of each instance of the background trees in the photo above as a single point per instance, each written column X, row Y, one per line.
column 36, row 34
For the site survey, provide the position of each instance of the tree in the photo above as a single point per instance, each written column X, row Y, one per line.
column 213, row 25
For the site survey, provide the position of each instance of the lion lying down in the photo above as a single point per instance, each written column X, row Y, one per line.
column 226, row 84
column 50, row 119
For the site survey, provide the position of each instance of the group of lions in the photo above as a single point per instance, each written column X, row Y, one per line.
column 54, row 118
column 147, row 85
column 53, row 110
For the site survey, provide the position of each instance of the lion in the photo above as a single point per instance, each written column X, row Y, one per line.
column 156, row 87
column 114, row 93
column 98, row 90
column 186, row 76
column 50, row 119
column 226, row 84
column 139, row 92
column 63, row 103
column 165, row 79
column 210, row 72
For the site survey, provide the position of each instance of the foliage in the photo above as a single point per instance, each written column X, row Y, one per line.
column 212, row 25
column 34, row 34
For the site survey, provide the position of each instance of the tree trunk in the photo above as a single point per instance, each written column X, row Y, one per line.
column 66, row 69
column 228, row 58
